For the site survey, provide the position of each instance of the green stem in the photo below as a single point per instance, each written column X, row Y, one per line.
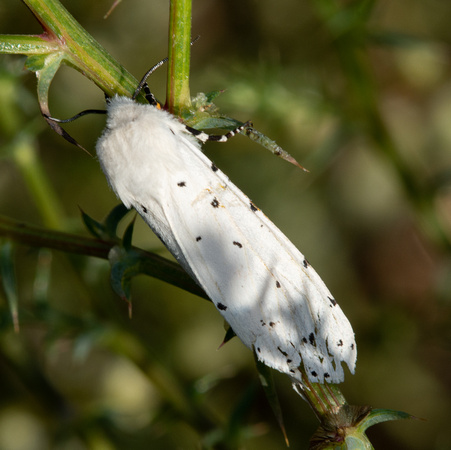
column 26, row 45
column 81, row 50
column 152, row 265
column 62, row 33
column 178, row 93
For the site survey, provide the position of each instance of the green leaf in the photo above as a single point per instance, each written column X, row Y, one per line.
column 128, row 235
column 205, row 116
column 36, row 63
column 267, row 382
column 346, row 429
column 382, row 415
column 112, row 220
column 210, row 96
column 108, row 228
column 47, row 66
column 271, row 145
column 97, row 229
column 210, row 123
column 125, row 264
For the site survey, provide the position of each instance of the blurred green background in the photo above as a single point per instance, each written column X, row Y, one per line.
column 359, row 92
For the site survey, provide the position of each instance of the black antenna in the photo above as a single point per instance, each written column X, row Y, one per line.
column 142, row 84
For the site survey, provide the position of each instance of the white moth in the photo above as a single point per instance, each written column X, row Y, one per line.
column 261, row 284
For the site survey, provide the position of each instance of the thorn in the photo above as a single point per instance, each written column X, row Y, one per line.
column 113, row 6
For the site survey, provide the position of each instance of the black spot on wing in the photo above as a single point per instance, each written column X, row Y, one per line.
column 221, row 306
column 213, row 167
column 144, row 208
column 215, row 203
column 332, row 301
column 311, row 338
column 237, row 244
column 199, row 238
column 181, row 183
column 277, row 284
column 253, row 207
column 340, row 343
column 314, row 373
column 305, row 263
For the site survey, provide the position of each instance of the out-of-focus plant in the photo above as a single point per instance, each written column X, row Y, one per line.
column 64, row 41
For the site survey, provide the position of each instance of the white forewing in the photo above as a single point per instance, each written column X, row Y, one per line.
column 262, row 285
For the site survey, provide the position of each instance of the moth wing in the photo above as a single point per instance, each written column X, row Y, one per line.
column 261, row 284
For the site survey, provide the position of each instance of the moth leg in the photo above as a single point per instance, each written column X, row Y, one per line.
column 204, row 137
column 149, row 96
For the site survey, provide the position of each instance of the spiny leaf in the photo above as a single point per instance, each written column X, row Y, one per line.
column 206, row 116
column 46, row 67
column 210, row 123
column 35, row 63
column 114, row 217
column 382, row 415
column 345, row 429
column 108, row 228
column 97, row 229
column 210, row 96
column 125, row 264
column 268, row 385
column 269, row 144
column 127, row 239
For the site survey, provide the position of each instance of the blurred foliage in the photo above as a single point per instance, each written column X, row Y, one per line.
column 359, row 93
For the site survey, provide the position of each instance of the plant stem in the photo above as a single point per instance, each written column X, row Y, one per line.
column 151, row 264
column 178, row 93
column 26, row 45
column 81, row 50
